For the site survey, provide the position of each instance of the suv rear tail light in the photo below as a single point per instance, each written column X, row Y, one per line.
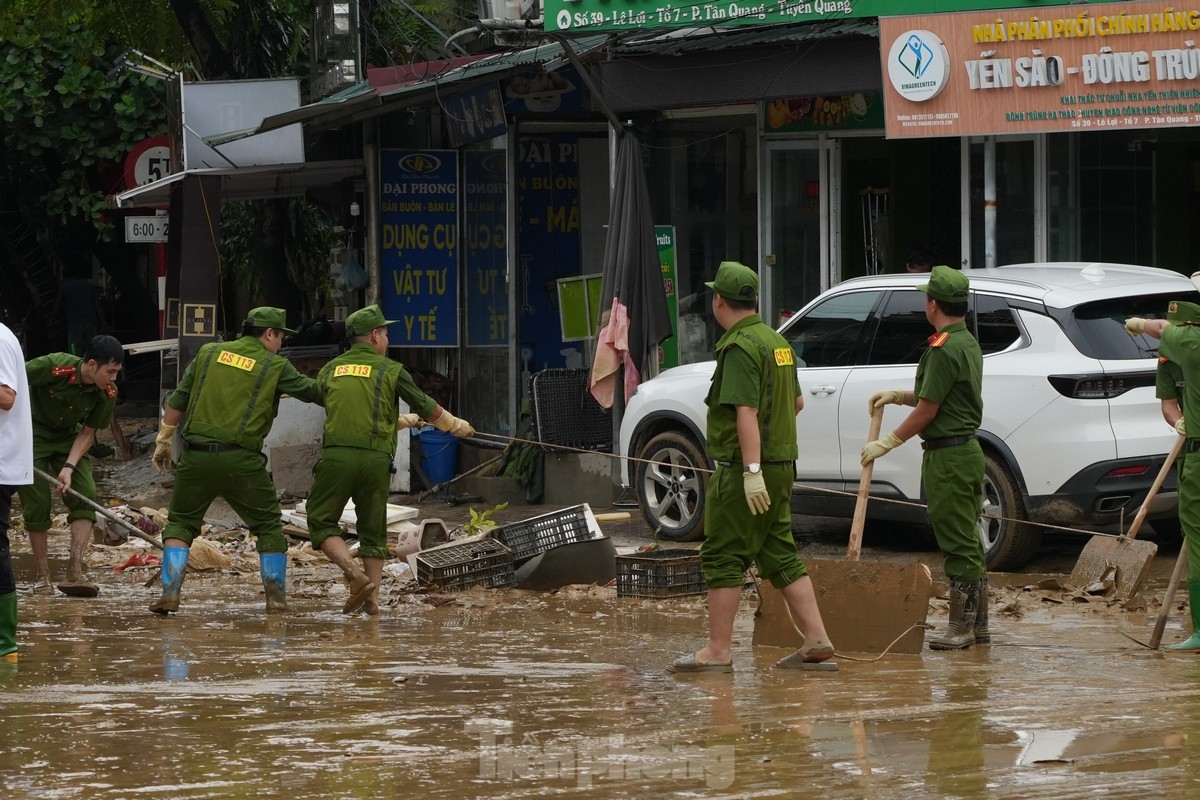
column 1099, row 387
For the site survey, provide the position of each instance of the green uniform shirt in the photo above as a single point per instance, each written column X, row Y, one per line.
column 61, row 402
column 756, row 367
column 1181, row 346
column 1168, row 381
column 950, row 374
column 360, row 388
column 230, row 392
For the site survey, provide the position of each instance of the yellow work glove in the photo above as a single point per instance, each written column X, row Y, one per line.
column 449, row 423
column 756, row 492
column 1181, row 427
column 162, row 448
column 406, row 421
column 886, row 397
column 1135, row 326
column 879, row 447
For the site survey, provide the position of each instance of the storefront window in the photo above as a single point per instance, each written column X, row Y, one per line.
column 703, row 180
column 1116, row 197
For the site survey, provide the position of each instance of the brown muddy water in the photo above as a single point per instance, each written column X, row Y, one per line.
column 511, row 694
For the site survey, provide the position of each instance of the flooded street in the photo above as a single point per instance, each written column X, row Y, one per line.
column 513, row 694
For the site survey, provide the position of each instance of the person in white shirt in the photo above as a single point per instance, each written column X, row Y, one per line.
column 16, row 469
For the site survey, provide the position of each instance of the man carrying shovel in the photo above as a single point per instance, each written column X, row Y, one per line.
column 1180, row 335
column 72, row 397
column 752, row 407
column 227, row 400
column 360, row 389
column 949, row 408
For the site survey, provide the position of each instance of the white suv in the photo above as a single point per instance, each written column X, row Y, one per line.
column 1072, row 433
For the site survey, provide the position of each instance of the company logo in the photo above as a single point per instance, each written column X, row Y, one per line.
column 918, row 65
column 420, row 163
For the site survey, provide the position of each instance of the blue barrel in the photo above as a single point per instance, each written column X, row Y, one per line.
column 439, row 455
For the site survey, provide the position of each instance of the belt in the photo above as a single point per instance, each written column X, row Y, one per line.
column 738, row 463
column 221, row 447
column 1191, row 445
column 945, row 441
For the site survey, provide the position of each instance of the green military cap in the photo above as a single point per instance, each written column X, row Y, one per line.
column 734, row 281
column 268, row 317
column 366, row 320
column 947, row 285
column 1181, row 313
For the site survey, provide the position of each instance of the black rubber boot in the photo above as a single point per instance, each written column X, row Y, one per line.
column 960, row 633
column 982, row 635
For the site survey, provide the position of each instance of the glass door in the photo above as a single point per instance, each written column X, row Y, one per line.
column 797, row 206
column 1007, row 197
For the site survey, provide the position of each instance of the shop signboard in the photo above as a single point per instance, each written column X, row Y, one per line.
column 485, row 245
column 587, row 16
column 860, row 111
column 668, row 351
column 419, row 246
column 1079, row 68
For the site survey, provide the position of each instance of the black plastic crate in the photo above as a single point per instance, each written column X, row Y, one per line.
column 536, row 535
column 660, row 573
column 457, row 567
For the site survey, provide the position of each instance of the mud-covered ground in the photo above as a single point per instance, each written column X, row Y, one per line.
column 509, row 693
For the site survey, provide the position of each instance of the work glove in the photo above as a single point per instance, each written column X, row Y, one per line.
column 449, row 423
column 879, row 447
column 886, row 397
column 162, row 448
column 756, row 492
column 406, row 421
column 1135, row 325
column 1181, row 427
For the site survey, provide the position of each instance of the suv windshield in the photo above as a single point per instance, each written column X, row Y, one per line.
column 1098, row 328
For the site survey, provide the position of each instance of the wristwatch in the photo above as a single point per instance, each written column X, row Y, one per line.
column 754, row 468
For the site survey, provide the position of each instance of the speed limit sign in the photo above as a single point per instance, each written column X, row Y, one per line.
column 148, row 161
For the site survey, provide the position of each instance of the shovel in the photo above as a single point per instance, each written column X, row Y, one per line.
column 126, row 524
column 1130, row 556
column 865, row 605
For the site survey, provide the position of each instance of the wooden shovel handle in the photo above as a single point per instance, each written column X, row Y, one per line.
column 864, row 490
column 1154, row 487
column 1160, row 624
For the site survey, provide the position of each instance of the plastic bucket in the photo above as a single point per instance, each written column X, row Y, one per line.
column 439, row 455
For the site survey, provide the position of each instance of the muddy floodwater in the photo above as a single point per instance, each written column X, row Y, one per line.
column 513, row 694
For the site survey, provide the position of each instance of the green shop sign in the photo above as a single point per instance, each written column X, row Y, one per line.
column 622, row 15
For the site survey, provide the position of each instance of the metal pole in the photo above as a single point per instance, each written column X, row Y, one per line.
column 989, row 201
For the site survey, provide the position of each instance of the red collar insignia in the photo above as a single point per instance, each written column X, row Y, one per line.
column 59, row 372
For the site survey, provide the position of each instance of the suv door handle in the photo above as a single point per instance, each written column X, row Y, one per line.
column 822, row 390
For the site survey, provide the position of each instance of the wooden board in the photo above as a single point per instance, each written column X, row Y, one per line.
column 865, row 605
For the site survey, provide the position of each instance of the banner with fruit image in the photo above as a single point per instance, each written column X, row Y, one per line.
column 838, row 112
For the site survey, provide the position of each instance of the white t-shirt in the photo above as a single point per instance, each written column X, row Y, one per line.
column 16, row 424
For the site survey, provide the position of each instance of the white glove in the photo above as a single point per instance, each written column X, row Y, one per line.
column 879, row 447
column 756, row 492
column 405, row 421
column 449, row 423
column 1135, row 325
column 1181, row 427
column 162, row 448
column 886, row 397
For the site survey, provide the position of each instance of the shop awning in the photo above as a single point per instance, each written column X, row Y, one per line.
column 713, row 67
column 389, row 88
column 248, row 183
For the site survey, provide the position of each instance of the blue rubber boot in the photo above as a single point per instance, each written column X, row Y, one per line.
column 274, row 579
column 1192, row 643
column 174, row 567
column 8, row 628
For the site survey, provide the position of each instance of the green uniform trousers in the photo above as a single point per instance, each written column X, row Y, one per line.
column 1189, row 512
column 345, row 473
column 36, row 499
column 953, row 478
column 734, row 538
column 239, row 476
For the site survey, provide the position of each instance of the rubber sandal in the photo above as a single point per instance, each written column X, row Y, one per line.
column 689, row 663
